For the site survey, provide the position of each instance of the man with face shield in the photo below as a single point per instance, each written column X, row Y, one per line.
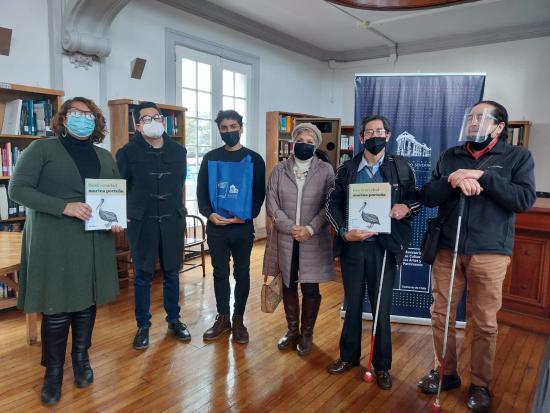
column 230, row 235
column 155, row 166
column 362, row 252
column 497, row 181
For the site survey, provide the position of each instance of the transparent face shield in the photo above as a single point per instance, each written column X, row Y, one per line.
column 477, row 125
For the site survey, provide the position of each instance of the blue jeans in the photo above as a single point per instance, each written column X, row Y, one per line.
column 142, row 296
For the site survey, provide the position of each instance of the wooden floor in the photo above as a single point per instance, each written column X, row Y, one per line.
column 226, row 376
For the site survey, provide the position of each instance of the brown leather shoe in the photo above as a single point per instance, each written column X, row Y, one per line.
column 383, row 379
column 292, row 313
column 340, row 366
column 310, row 309
column 221, row 326
column 240, row 333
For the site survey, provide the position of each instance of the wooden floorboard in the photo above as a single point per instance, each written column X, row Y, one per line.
column 223, row 376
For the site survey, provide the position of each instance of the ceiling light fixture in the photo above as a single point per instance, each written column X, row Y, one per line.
column 397, row 4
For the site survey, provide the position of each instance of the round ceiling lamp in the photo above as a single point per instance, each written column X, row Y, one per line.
column 397, row 4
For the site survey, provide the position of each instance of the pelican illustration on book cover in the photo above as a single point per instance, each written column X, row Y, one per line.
column 107, row 198
column 369, row 207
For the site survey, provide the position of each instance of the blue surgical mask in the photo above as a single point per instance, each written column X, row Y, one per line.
column 80, row 127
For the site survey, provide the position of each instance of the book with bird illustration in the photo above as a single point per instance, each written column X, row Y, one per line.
column 369, row 207
column 107, row 198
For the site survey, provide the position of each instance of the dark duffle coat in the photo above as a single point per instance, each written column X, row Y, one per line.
column 155, row 182
column 63, row 268
column 315, row 262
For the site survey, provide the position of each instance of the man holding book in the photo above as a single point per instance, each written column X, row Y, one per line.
column 154, row 166
column 361, row 251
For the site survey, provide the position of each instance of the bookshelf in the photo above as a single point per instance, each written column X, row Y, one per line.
column 518, row 132
column 26, row 113
column 122, row 124
column 279, row 126
column 347, row 141
column 19, row 127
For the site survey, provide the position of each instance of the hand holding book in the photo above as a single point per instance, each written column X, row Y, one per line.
column 356, row 235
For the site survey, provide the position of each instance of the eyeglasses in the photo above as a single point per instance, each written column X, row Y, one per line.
column 77, row 114
column 378, row 132
column 149, row 119
column 478, row 117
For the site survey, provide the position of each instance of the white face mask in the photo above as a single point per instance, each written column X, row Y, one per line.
column 153, row 130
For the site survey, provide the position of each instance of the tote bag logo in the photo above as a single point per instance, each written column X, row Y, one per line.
column 222, row 189
column 233, row 191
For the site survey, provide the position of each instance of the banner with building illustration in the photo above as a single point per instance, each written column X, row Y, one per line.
column 426, row 112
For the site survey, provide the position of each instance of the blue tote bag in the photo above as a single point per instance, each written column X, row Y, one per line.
column 230, row 188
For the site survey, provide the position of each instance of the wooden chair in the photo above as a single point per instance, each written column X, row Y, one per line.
column 123, row 258
column 195, row 235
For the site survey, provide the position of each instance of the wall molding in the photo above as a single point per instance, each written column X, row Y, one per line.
column 232, row 20
column 86, row 26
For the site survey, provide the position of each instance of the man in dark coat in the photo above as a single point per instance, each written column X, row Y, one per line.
column 154, row 166
column 361, row 252
column 497, row 181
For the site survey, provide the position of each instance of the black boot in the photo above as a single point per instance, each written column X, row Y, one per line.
column 82, row 324
column 310, row 309
column 54, row 332
column 292, row 313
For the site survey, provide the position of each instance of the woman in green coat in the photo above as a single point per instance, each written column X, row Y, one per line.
column 65, row 271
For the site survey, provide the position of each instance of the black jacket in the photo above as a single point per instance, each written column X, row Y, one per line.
column 400, row 175
column 488, row 223
column 155, row 182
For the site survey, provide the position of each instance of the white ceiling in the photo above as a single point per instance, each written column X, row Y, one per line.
column 338, row 31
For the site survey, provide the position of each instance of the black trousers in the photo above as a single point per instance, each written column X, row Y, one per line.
column 236, row 243
column 361, row 267
column 309, row 290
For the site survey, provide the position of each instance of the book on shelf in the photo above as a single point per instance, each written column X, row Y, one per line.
column 6, row 292
column 285, row 148
column 8, row 207
column 12, row 117
column 28, row 117
column 9, row 154
column 369, row 207
column 286, row 123
column 344, row 142
column 107, row 198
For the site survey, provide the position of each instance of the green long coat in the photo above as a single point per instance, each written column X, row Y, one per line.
column 63, row 267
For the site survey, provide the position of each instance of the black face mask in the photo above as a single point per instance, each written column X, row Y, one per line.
column 231, row 138
column 478, row 146
column 303, row 151
column 375, row 145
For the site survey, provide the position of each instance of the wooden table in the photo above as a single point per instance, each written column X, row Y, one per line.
column 10, row 257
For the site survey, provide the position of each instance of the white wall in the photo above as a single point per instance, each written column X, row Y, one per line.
column 517, row 77
column 29, row 59
column 288, row 81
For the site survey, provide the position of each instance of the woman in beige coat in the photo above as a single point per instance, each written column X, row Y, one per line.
column 301, row 245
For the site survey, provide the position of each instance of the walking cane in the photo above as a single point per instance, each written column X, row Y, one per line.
column 368, row 376
column 436, row 408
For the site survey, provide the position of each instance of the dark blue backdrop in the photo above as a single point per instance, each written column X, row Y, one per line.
column 426, row 113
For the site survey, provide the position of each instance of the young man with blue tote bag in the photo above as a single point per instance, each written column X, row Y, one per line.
column 230, row 192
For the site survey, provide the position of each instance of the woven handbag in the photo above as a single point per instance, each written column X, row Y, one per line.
column 272, row 292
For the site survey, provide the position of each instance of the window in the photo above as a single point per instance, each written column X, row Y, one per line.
column 206, row 84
